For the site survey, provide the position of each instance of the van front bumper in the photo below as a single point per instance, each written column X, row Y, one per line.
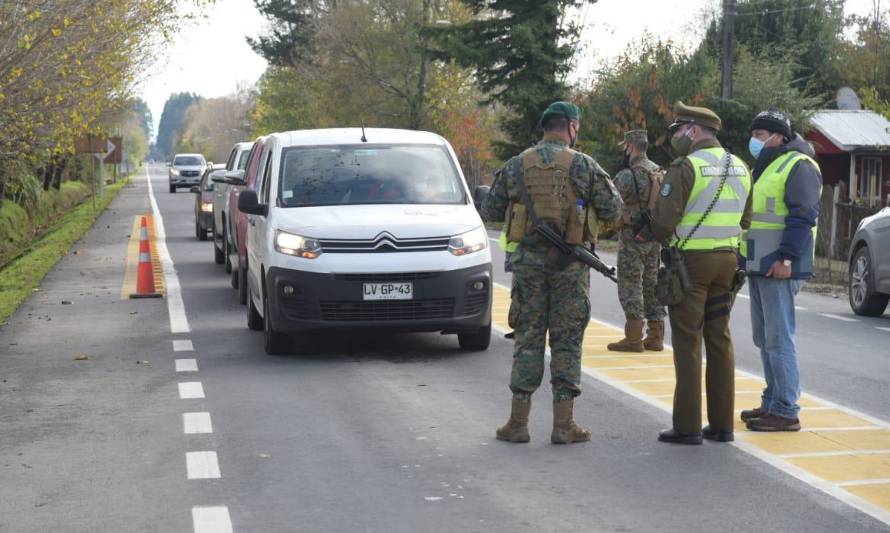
column 456, row 301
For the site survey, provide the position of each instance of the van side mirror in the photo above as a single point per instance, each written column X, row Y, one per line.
column 479, row 196
column 235, row 177
column 248, row 203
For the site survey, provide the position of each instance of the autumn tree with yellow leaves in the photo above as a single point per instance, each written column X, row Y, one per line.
column 68, row 67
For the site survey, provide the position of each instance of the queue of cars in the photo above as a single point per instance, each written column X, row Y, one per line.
column 346, row 229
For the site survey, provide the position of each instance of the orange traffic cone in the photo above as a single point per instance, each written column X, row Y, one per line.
column 145, row 279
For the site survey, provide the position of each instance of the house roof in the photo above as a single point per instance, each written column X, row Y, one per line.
column 852, row 130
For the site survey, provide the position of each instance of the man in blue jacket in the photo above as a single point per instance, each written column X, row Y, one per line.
column 779, row 252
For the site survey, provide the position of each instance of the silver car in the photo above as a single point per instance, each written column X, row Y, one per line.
column 186, row 170
column 870, row 264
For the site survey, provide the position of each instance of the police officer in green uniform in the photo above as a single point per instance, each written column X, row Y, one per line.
column 549, row 297
column 705, row 202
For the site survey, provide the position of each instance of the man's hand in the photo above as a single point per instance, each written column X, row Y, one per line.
column 779, row 271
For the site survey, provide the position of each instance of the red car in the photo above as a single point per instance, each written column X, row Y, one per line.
column 237, row 221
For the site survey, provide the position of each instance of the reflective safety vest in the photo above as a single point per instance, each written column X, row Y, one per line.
column 721, row 227
column 761, row 245
column 507, row 246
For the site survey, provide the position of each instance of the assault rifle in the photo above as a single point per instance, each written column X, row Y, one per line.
column 576, row 252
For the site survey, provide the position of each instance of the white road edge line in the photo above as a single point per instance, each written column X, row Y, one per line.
column 191, row 390
column 832, row 489
column 206, row 519
column 183, row 345
column 186, row 365
column 202, row 465
column 882, row 329
column 859, row 482
column 834, row 453
column 838, row 317
column 179, row 322
column 195, row 423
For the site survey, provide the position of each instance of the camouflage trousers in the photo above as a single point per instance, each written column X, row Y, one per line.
column 547, row 302
column 637, row 275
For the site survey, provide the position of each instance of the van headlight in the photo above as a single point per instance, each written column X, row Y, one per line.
column 469, row 242
column 297, row 245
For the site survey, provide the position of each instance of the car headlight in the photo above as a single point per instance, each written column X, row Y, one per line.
column 469, row 242
column 174, row 172
column 207, row 207
column 297, row 245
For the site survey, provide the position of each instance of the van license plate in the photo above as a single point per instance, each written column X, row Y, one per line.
column 387, row 291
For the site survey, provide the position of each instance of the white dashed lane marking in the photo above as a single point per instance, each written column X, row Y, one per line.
column 211, row 519
column 193, row 423
column 838, row 317
column 186, row 365
column 202, row 465
column 191, row 390
column 184, row 345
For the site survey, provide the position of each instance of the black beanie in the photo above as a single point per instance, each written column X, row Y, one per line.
column 773, row 120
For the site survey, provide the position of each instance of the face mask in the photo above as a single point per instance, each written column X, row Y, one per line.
column 626, row 160
column 681, row 144
column 755, row 146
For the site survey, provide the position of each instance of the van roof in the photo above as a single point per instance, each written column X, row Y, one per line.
column 189, row 155
column 334, row 136
column 244, row 145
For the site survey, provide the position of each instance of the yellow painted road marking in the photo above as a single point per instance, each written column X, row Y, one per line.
column 839, row 451
column 129, row 285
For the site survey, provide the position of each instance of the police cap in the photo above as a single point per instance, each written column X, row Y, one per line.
column 685, row 114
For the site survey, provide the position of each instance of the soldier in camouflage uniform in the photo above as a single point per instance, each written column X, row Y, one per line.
column 566, row 188
column 638, row 256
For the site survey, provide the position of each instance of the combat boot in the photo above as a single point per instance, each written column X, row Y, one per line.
column 633, row 337
column 565, row 430
column 654, row 336
column 516, row 429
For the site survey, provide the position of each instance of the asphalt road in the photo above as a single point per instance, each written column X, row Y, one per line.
column 358, row 433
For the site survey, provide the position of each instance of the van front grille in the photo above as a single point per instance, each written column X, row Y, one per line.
column 386, row 310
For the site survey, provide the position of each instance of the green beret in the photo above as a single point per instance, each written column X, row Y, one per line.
column 561, row 110
column 635, row 136
column 696, row 115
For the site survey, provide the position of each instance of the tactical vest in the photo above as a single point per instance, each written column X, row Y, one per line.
column 553, row 195
column 721, row 227
column 654, row 176
column 761, row 246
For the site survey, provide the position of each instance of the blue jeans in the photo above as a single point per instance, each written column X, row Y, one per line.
column 772, row 322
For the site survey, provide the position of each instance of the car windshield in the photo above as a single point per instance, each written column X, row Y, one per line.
column 348, row 175
column 242, row 161
column 188, row 161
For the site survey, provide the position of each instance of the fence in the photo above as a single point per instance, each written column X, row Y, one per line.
column 838, row 220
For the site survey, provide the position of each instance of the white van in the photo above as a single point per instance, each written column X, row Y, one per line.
column 372, row 229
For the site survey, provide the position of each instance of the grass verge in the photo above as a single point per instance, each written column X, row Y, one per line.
column 19, row 278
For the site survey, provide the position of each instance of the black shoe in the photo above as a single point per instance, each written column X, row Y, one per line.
column 717, row 436
column 509, row 335
column 675, row 437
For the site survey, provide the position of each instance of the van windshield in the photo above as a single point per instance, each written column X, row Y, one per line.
column 349, row 175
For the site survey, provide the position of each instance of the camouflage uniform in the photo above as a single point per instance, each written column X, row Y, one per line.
column 545, row 299
column 637, row 260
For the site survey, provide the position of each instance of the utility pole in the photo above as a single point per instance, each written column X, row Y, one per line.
column 729, row 13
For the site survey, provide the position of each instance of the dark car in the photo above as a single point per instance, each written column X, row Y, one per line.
column 870, row 264
column 204, row 201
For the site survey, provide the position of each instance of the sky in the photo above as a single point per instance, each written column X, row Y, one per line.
column 210, row 56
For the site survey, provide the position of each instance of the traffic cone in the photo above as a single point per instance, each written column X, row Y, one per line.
column 145, row 279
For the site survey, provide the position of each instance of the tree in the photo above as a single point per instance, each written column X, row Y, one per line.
column 211, row 126
column 521, row 51
column 287, row 100
column 806, row 34
column 140, row 108
column 292, row 38
column 638, row 92
column 170, row 125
